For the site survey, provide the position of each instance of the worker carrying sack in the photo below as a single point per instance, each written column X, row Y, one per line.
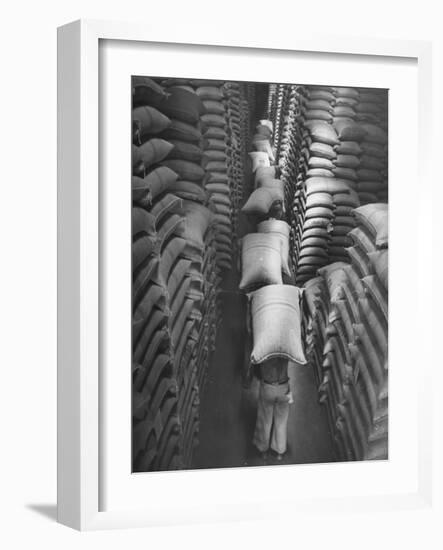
column 267, row 123
column 264, row 173
column 276, row 324
column 259, row 159
column 261, row 260
column 263, row 146
column 262, row 200
column 281, row 229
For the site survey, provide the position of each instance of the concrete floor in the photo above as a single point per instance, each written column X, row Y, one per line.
column 228, row 411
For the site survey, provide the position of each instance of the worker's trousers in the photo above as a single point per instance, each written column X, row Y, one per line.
column 272, row 418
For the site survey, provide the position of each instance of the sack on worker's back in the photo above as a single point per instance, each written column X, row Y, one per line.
column 281, row 229
column 267, row 123
column 262, row 200
column 264, row 146
column 264, row 172
column 261, row 260
column 259, row 159
column 272, row 183
column 276, row 324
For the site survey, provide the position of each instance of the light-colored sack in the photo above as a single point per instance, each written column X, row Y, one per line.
column 261, row 260
column 259, row 159
column 272, row 183
column 276, row 324
column 261, row 201
column 264, row 172
column 267, row 123
column 281, row 229
column 264, row 146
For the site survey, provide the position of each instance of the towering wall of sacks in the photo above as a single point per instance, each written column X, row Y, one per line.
column 346, row 335
column 340, row 142
column 331, row 148
column 189, row 147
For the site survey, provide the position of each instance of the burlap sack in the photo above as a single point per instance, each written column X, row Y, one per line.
column 276, row 324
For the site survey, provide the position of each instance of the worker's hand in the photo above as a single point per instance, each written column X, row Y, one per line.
column 290, row 398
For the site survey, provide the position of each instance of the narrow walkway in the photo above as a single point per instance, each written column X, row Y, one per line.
column 228, row 411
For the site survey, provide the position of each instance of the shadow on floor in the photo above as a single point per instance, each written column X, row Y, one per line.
column 48, row 511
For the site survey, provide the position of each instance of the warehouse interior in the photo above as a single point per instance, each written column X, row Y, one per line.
column 214, row 164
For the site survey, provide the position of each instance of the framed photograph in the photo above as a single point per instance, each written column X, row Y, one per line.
column 228, row 212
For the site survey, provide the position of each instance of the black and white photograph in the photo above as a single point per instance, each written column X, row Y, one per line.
column 259, row 273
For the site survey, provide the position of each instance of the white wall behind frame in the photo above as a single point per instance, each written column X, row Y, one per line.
column 28, row 43
column 120, row 60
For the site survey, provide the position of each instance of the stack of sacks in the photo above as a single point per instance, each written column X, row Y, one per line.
column 284, row 112
column 217, row 144
column 175, row 277
column 247, row 94
column 317, row 103
column 237, row 111
column 363, row 148
column 278, row 114
column 272, row 112
column 346, row 326
column 372, row 114
column 319, row 161
column 195, row 304
column 288, row 148
column 157, row 217
column 216, row 162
